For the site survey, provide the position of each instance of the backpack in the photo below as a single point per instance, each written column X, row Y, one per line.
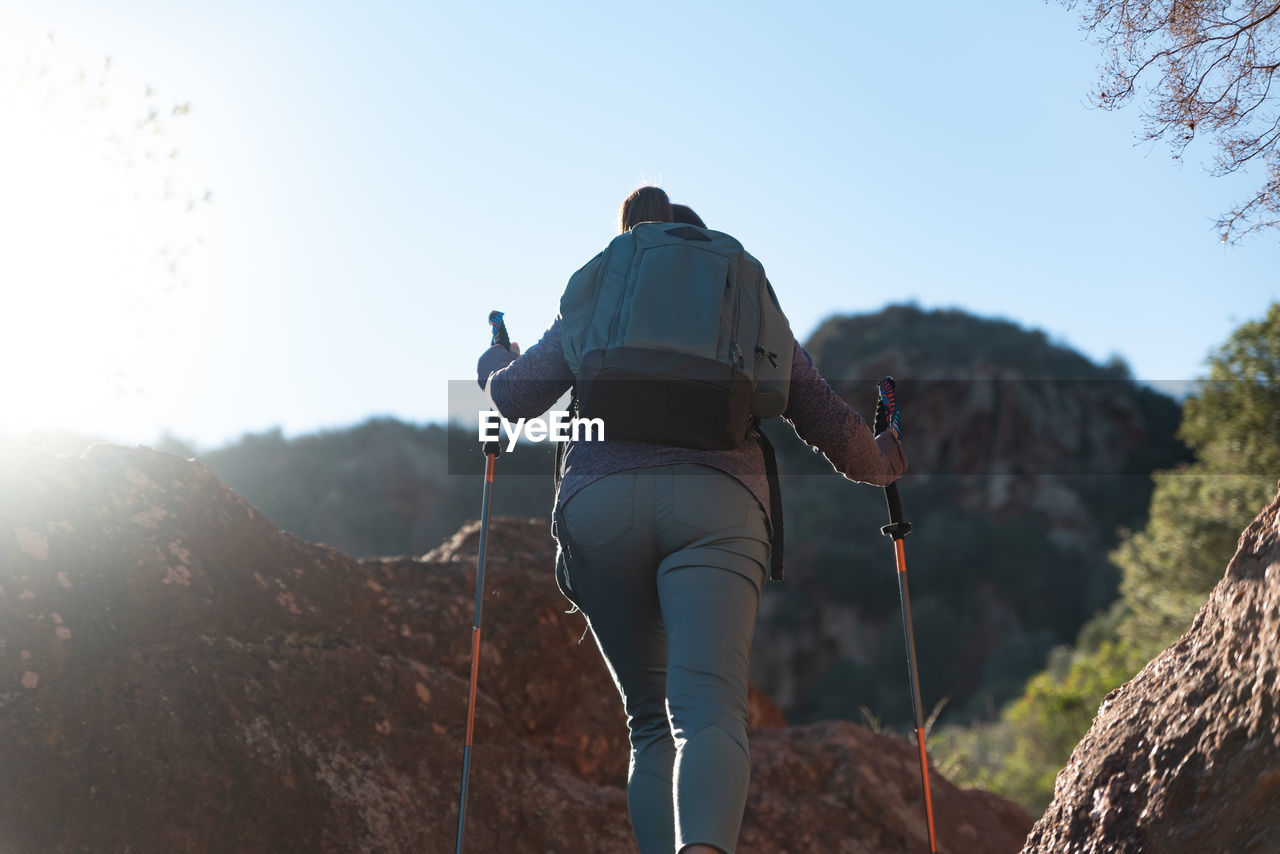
column 675, row 336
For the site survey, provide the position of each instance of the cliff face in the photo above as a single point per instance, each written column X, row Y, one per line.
column 1186, row 755
column 178, row 675
column 1014, row 415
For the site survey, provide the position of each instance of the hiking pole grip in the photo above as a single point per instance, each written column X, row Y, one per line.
column 499, row 337
column 499, row 330
column 888, row 417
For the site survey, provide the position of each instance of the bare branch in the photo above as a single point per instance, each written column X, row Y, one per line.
column 1211, row 65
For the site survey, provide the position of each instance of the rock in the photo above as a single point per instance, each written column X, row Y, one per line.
column 178, row 675
column 229, row 687
column 836, row 786
column 1186, row 755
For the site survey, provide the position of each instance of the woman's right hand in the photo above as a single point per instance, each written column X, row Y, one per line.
column 893, row 454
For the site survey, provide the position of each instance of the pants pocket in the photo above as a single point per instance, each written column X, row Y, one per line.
column 601, row 511
column 710, row 502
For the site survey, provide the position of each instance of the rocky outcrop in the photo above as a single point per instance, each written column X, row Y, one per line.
column 836, row 786
column 178, row 675
column 1185, row 757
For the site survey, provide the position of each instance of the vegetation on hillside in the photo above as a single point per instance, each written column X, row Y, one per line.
column 1168, row 568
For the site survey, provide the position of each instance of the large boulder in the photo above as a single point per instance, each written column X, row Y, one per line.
column 1186, row 755
column 178, row 675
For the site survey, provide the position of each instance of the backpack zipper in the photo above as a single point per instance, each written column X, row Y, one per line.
column 735, row 351
column 627, row 285
column 760, row 350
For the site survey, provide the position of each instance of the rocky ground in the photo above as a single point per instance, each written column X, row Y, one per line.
column 178, row 675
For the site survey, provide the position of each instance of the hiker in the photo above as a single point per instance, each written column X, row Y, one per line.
column 665, row 550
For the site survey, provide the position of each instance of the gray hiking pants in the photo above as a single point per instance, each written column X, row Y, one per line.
column 667, row 565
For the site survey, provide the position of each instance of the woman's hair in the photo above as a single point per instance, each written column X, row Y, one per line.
column 647, row 204
column 684, row 214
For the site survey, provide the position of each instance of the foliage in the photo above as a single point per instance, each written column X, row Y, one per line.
column 1168, row 569
column 1019, row 755
column 1233, row 425
column 1170, row 566
column 1209, row 69
column 1234, row 419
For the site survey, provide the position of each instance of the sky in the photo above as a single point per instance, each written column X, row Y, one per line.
column 351, row 188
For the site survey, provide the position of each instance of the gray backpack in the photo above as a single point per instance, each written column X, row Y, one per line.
column 675, row 336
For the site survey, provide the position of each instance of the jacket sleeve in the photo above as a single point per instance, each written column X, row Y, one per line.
column 528, row 386
column 827, row 424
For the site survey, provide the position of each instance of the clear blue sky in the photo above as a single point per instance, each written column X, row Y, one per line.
column 384, row 174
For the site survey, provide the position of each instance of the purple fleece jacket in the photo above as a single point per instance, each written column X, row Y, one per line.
column 529, row 385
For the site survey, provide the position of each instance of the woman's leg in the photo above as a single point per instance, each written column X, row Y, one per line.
column 612, row 569
column 716, row 542
column 710, row 616
column 667, row 565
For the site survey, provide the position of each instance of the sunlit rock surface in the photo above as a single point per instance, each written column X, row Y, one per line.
column 1186, row 756
column 178, row 675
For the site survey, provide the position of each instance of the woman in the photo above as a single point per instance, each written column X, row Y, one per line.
column 665, row 551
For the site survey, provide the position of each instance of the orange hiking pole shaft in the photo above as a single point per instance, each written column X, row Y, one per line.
column 491, row 451
column 887, row 417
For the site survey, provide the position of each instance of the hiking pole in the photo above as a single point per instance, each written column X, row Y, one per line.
column 491, row 451
column 887, row 417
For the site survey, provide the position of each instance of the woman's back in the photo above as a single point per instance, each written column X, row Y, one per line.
column 666, row 549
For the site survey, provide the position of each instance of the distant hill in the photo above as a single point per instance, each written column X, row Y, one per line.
column 382, row 488
column 1026, row 458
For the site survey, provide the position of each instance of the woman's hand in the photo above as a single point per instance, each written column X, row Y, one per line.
column 891, row 449
column 495, row 358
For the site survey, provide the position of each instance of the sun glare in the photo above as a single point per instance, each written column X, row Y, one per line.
column 97, row 243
